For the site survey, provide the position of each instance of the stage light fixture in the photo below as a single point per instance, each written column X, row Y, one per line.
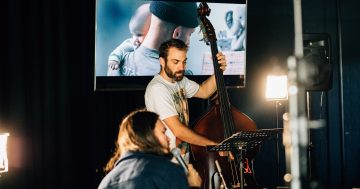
column 4, row 163
column 276, row 88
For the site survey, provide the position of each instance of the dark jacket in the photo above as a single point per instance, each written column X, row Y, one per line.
column 136, row 170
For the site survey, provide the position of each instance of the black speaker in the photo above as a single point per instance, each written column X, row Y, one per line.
column 317, row 57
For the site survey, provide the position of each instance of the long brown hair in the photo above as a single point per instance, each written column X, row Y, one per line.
column 136, row 134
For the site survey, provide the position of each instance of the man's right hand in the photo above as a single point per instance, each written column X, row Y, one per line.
column 193, row 177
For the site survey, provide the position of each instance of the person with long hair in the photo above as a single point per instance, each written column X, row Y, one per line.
column 142, row 158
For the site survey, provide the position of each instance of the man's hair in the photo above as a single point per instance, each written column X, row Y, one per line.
column 178, row 13
column 177, row 43
column 136, row 134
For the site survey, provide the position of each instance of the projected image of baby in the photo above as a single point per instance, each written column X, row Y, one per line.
column 139, row 26
column 169, row 20
column 235, row 21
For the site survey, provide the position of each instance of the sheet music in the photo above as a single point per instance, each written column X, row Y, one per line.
column 235, row 63
column 244, row 140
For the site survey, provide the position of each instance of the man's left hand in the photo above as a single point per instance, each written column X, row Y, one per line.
column 221, row 60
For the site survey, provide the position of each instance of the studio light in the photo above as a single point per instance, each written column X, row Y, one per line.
column 276, row 91
column 4, row 163
column 276, row 88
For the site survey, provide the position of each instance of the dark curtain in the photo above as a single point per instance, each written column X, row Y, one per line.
column 47, row 101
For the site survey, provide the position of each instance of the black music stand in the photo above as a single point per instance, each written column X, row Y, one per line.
column 244, row 141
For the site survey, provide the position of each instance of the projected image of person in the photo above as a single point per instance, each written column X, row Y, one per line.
column 235, row 21
column 139, row 26
column 142, row 158
column 169, row 20
column 168, row 91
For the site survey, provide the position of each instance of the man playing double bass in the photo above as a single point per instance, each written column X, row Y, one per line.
column 167, row 93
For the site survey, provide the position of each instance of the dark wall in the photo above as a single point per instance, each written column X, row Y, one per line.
column 62, row 132
column 351, row 67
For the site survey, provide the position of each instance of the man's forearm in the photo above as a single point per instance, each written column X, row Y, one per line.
column 189, row 136
column 209, row 87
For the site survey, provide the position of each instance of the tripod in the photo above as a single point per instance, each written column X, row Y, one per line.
column 244, row 142
column 277, row 148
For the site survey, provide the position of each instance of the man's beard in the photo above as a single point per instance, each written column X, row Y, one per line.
column 172, row 75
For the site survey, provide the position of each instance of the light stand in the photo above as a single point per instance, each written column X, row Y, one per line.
column 276, row 90
column 277, row 104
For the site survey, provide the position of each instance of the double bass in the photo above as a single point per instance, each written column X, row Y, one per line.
column 219, row 123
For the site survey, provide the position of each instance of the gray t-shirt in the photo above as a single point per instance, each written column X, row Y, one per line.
column 141, row 62
column 169, row 99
